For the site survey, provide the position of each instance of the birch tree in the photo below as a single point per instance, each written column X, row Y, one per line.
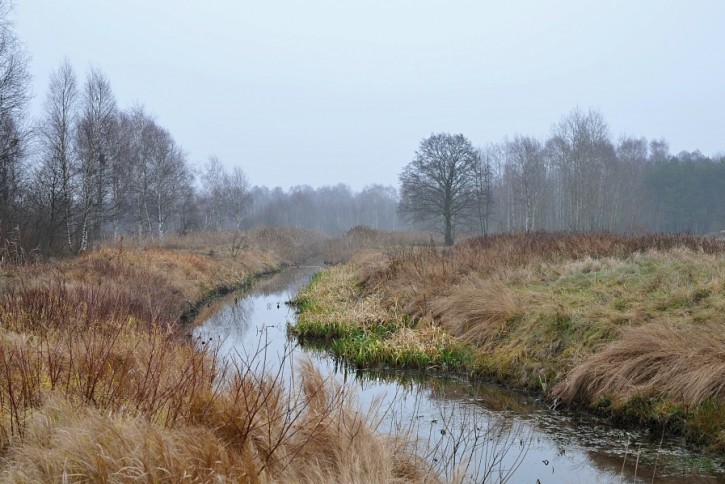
column 526, row 158
column 98, row 116
column 14, row 95
column 57, row 160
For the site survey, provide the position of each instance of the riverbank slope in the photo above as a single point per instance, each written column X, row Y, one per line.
column 630, row 327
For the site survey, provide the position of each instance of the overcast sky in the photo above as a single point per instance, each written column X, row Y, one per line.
column 321, row 92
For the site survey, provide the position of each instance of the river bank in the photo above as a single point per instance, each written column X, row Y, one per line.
column 629, row 328
column 100, row 381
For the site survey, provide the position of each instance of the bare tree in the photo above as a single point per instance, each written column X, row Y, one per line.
column 238, row 200
column 659, row 150
column 580, row 150
column 375, row 206
column 98, row 119
column 14, row 94
column 628, row 199
column 483, row 180
column 438, row 184
column 56, row 136
column 525, row 155
column 212, row 179
column 169, row 178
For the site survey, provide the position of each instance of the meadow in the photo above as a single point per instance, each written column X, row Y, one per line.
column 629, row 327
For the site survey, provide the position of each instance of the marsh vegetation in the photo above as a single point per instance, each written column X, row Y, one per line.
column 99, row 381
column 629, row 327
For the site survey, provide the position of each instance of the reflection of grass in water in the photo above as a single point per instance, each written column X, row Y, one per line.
column 446, row 387
column 457, row 444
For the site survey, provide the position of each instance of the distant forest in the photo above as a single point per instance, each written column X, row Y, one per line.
column 87, row 171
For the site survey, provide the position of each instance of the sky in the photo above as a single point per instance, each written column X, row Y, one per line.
column 321, row 92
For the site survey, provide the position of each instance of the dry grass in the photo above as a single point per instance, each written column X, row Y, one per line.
column 316, row 436
column 686, row 364
column 594, row 316
column 360, row 238
column 336, row 292
column 286, row 243
column 98, row 382
column 476, row 310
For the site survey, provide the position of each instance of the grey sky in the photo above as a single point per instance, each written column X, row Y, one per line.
column 320, row 92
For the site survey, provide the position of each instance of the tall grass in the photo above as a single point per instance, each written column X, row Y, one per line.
column 359, row 238
column 584, row 318
column 287, row 243
column 99, row 382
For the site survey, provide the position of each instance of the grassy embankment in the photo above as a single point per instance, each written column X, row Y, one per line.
column 630, row 327
column 99, row 383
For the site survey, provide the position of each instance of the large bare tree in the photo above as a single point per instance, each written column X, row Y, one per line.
column 438, row 185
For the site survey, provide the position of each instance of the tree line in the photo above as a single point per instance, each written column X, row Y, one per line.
column 578, row 179
column 87, row 171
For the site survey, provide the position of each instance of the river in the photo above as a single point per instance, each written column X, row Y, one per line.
column 483, row 430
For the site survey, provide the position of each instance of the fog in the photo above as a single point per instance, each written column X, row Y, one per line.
column 322, row 92
column 172, row 117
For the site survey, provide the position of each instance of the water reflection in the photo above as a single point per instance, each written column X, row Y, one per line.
column 482, row 431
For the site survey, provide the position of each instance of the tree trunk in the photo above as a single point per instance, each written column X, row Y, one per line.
column 449, row 230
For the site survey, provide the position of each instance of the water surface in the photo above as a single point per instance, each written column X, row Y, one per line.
column 482, row 430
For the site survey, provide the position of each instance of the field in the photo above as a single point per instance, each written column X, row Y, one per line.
column 99, row 380
column 630, row 327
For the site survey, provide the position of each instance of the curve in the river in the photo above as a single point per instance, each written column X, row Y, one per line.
column 483, row 429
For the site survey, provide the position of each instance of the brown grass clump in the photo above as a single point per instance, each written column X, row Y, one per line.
column 67, row 443
column 476, row 310
column 315, row 436
column 686, row 364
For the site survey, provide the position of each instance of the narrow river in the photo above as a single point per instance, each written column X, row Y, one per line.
column 480, row 429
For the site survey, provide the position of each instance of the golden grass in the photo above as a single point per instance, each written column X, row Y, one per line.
column 98, row 382
column 288, row 243
column 685, row 364
column 335, row 291
column 360, row 238
column 582, row 317
column 476, row 310
column 326, row 440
